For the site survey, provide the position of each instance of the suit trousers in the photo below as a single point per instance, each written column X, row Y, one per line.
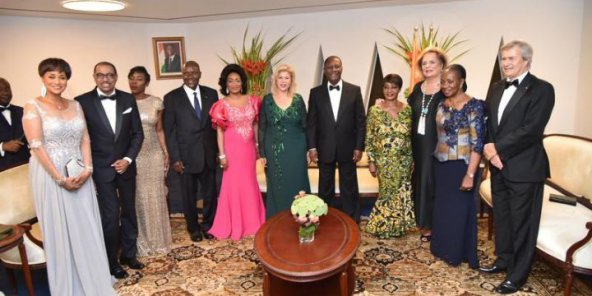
column 117, row 200
column 348, row 186
column 207, row 181
column 517, row 210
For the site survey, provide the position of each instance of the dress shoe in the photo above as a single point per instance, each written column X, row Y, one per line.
column 207, row 235
column 118, row 272
column 196, row 236
column 132, row 263
column 492, row 269
column 506, row 287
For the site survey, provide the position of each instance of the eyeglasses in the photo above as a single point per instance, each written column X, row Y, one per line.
column 103, row 76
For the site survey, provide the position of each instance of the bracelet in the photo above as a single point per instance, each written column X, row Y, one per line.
column 89, row 168
column 61, row 181
column 470, row 175
column 492, row 157
column 222, row 156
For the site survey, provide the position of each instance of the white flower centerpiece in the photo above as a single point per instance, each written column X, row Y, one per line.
column 306, row 209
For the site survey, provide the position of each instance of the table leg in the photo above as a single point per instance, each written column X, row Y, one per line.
column 343, row 283
column 266, row 284
column 26, row 269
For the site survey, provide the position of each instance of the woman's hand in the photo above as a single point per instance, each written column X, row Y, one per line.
column 71, row 183
column 467, row 183
column 166, row 165
column 372, row 169
column 224, row 163
column 264, row 161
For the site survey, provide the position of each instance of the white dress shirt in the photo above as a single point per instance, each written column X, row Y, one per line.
column 335, row 97
column 110, row 107
column 6, row 113
column 190, row 92
column 508, row 93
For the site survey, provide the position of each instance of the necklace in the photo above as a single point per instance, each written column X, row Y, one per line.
column 58, row 105
column 424, row 106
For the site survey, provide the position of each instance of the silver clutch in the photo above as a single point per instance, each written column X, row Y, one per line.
column 74, row 167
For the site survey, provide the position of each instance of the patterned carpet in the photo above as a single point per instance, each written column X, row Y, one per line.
column 401, row 266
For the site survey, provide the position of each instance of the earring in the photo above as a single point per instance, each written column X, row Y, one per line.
column 43, row 91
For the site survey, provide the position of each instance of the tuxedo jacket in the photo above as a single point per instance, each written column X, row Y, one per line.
column 13, row 132
column 108, row 146
column 189, row 139
column 518, row 137
column 336, row 139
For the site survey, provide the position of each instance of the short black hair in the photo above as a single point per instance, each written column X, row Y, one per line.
column 232, row 68
column 139, row 69
column 105, row 63
column 461, row 72
column 394, row 79
column 54, row 64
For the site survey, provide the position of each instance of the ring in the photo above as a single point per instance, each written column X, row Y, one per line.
column 221, row 166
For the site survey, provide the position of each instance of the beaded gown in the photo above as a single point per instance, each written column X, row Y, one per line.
column 154, row 230
column 388, row 145
column 282, row 141
column 70, row 220
column 240, row 210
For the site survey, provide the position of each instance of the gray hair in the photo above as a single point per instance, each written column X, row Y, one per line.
column 525, row 49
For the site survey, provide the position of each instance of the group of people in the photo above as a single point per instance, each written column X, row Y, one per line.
column 425, row 153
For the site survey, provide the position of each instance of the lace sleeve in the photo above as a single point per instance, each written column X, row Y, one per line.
column 32, row 126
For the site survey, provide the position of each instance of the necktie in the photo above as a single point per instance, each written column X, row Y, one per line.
column 331, row 87
column 196, row 105
column 107, row 97
column 4, row 108
column 510, row 83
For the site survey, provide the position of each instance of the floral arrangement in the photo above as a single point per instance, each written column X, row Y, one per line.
column 410, row 49
column 306, row 209
column 258, row 64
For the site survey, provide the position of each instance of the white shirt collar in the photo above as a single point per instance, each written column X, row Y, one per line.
column 520, row 77
column 104, row 94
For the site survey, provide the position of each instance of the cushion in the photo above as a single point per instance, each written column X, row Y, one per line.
column 17, row 203
column 571, row 163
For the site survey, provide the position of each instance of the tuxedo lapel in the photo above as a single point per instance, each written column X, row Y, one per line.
column 498, row 91
column 342, row 101
column 4, row 123
column 518, row 94
column 326, row 101
column 119, row 108
column 102, row 114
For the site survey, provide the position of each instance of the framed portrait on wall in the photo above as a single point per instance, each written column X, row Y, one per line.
column 169, row 56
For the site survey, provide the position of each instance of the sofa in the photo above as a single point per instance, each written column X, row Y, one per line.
column 565, row 233
column 367, row 185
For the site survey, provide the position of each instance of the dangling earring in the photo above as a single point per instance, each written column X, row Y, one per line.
column 227, row 91
column 43, row 91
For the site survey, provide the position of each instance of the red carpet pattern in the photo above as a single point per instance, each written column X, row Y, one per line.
column 402, row 266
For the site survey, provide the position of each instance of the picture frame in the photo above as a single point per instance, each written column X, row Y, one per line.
column 169, row 57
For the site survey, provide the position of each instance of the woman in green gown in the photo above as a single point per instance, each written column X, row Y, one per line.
column 388, row 146
column 282, row 142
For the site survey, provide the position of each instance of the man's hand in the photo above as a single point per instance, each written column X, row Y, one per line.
column 496, row 161
column 372, row 169
column 313, row 155
column 120, row 166
column 179, row 167
column 12, row 146
column 357, row 155
column 489, row 151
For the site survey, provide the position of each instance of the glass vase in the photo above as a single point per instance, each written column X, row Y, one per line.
column 306, row 233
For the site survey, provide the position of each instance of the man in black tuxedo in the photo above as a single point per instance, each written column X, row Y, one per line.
column 13, row 148
column 519, row 108
column 116, row 136
column 191, row 141
column 336, row 127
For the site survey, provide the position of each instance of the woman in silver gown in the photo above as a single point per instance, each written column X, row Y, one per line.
column 66, row 205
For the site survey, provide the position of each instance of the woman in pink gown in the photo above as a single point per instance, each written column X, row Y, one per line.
column 240, row 209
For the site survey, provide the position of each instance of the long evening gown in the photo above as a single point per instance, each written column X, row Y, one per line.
column 154, row 230
column 282, row 141
column 423, row 148
column 388, row 145
column 70, row 220
column 240, row 209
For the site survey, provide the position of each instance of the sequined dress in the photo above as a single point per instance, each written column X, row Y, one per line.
column 154, row 230
column 240, row 210
column 70, row 220
column 282, row 141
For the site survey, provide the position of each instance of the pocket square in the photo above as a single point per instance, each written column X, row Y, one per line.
column 128, row 110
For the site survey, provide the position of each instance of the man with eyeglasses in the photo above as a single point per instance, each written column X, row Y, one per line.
column 115, row 130
column 336, row 130
column 192, row 145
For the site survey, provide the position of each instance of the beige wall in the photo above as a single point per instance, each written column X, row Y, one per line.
column 583, row 114
column 553, row 27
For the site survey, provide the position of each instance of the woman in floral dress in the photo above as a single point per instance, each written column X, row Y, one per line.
column 389, row 152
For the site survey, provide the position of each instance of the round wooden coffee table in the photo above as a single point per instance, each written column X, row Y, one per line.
column 323, row 267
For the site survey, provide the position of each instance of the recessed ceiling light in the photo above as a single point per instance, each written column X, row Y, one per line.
column 94, row 5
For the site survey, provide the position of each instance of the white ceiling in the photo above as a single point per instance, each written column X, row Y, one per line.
column 192, row 10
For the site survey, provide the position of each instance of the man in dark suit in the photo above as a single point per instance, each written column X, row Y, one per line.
column 116, row 136
column 172, row 61
column 13, row 148
column 192, row 147
column 336, row 129
column 519, row 108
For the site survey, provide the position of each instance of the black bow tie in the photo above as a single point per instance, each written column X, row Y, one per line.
column 331, row 87
column 510, row 83
column 2, row 108
column 107, row 97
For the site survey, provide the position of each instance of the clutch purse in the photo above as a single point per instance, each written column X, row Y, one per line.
column 568, row 200
column 74, row 167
